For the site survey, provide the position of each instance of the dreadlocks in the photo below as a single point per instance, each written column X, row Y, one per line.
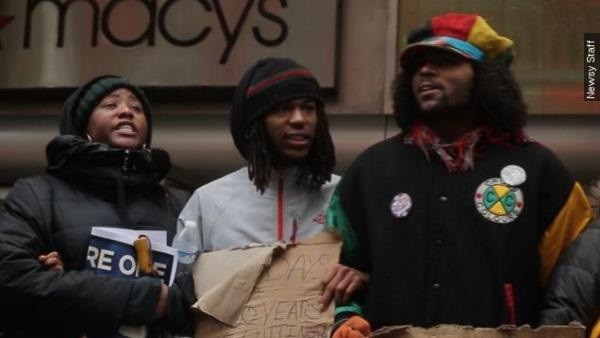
column 264, row 158
column 496, row 98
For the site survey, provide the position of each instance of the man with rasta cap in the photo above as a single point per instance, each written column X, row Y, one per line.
column 279, row 126
column 460, row 218
column 101, row 172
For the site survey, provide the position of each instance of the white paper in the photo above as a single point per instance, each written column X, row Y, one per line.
column 111, row 252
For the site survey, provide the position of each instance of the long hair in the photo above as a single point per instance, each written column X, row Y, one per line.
column 496, row 99
column 264, row 158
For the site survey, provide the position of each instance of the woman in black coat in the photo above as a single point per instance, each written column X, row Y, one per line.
column 101, row 172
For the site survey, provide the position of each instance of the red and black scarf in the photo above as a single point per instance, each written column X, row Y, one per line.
column 459, row 156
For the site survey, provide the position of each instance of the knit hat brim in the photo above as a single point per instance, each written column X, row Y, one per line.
column 268, row 83
column 457, row 46
column 79, row 106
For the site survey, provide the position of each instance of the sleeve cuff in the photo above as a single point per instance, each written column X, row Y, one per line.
column 351, row 307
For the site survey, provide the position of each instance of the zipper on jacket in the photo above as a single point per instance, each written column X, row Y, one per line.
column 280, row 223
column 127, row 166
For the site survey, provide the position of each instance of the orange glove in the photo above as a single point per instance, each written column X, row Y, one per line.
column 355, row 327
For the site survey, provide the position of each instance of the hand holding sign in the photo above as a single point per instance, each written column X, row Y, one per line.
column 52, row 261
column 111, row 252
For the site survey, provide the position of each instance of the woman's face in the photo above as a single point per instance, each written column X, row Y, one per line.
column 119, row 120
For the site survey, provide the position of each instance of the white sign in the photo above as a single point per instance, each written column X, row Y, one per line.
column 111, row 252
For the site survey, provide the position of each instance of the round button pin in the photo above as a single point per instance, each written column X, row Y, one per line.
column 401, row 205
column 513, row 175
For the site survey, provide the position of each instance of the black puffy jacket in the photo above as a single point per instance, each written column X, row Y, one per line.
column 573, row 293
column 87, row 184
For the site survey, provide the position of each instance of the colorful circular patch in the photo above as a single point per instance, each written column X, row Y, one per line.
column 498, row 201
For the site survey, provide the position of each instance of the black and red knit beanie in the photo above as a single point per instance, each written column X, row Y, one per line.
column 268, row 83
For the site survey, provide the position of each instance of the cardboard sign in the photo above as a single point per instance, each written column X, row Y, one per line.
column 265, row 292
column 456, row 331
column 111, row 252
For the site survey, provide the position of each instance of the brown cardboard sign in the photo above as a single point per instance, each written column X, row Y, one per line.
column 455, row 331
column 265, row 292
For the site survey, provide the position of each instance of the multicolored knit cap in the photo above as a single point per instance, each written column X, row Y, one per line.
column 268, row 83
column 466, row 34
column 79, row 106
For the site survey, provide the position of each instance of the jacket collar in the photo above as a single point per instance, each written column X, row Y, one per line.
column 73, row 158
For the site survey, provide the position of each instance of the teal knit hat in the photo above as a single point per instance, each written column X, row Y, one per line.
column 80, row 105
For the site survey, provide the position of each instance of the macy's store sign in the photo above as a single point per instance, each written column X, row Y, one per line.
column 167, row 43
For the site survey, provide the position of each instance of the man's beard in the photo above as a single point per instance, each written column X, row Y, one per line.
column 444, row 111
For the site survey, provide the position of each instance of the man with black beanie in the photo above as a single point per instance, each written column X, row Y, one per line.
column 279, row 126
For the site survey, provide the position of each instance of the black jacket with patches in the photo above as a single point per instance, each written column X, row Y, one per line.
column 88, row 184
column 445, row 261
